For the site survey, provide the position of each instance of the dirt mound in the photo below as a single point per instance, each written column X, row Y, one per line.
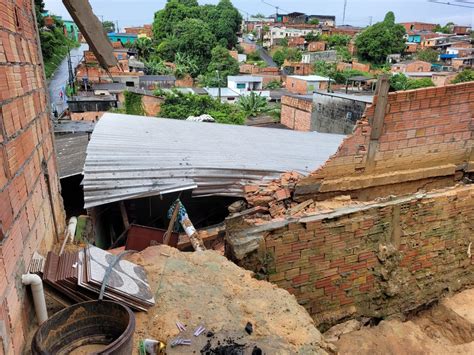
column 206, row 289
column 447, row 328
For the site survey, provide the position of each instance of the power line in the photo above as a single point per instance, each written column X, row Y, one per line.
column 452, row 4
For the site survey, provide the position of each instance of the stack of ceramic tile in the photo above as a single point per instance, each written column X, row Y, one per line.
column 80, row 275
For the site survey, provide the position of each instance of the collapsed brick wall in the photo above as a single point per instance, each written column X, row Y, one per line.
column 31, row 212
column 373, row 260
column 426, row 142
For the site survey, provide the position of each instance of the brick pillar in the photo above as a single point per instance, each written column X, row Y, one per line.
column 29, row 184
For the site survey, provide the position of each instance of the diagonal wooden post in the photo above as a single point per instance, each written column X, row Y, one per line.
column 377, row 122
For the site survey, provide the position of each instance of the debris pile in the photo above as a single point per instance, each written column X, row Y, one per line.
column 205, row 289
column 277, row 197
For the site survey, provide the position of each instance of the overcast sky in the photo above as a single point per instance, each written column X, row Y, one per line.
column 358, row 13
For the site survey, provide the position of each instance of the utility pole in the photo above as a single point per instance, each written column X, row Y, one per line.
column 370, row 20
column 344, row 13
column 218, row 85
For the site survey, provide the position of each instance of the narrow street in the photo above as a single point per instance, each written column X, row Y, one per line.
column 266, row 57
column 60, row 78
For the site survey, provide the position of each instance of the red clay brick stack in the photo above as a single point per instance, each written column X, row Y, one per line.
column 30, row 203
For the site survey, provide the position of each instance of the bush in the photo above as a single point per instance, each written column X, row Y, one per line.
column 400, row 82
column 273, row 85
column 133, row 104
column 464, row 76
column 180, row 106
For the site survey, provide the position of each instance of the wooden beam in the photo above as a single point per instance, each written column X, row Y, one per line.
column 174, row 216
column 383, row 86
column 123, row 211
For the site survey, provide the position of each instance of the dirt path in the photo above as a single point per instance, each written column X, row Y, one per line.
column 447, row 328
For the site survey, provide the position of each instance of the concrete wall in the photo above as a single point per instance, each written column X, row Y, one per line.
column 326, row 114
column 312, row 57
column 31, row 212
column 335, row 115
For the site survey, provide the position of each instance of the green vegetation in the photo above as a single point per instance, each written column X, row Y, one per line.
column 330, row 70
column 273, row 85
column 180, row 106
column 427, row 55
column 222, row 63
column 192, row 30
column 133, row 104
column 380, row 40
column 444, row 29
column 109, row 26
column 254, row 105
column 400, row 82
column 314, row 21
column 54, row 44
column 312, row 37
column 290, row 54
column 464, row 76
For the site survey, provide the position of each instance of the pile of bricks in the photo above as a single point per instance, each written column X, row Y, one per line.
column 277, row 198
column 276, row 195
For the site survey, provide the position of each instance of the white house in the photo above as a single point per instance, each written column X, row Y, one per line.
column 243, row 83
column 228, row 96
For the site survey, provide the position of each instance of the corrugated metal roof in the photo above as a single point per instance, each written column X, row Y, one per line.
column 71, row 153
column 134, row 156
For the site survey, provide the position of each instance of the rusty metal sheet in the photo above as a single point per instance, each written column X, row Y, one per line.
column 141, row 237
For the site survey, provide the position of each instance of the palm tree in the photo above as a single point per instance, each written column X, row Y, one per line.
column 255, row 104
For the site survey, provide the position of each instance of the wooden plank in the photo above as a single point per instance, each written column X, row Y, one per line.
column 123, row 211
column 383, row 86
column 167, row 238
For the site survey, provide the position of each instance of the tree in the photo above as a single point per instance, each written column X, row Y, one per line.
column 444, row 29
column 314, row 21
column 228, row 23
column 254, row 104
column 279, row 57
column 400, row 82
column 259, row 15
column 167, row 49
column 180, row 106
column 428, row 55
column 185, row 65
column 108, row 26
column 273, row 85
column 380, row 40
column 195, row 39
column 133, row 104
column 222, row 62
column 464, row 76
column 290, row 54
column 156, row 66
column 39, row 8
column 312, row 37
column 174, row 12
column 338, row 40
column 144, row 47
